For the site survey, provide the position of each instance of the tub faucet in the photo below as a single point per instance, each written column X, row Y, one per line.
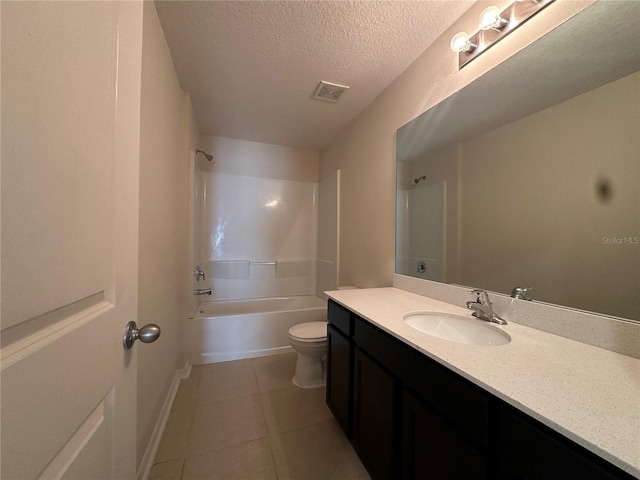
column 483, row 309
column 202, row 291
column 199, row 274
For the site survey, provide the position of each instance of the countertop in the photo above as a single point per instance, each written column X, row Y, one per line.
column 588, row 394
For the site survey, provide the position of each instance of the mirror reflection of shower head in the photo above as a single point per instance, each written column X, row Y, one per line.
column 419, row 179
column 208, row 157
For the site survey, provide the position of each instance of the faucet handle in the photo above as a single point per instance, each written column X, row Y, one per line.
column 199, row 274
column 521, row 293
column 482, row 296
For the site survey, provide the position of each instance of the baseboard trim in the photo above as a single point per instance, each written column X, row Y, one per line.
column 152, row 447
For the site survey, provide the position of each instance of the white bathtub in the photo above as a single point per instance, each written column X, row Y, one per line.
column 234, row 329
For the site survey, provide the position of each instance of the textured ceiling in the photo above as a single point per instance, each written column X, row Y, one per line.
column 252, row 67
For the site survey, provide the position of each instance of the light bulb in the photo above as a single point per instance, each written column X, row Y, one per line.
column 490, row 18
column 460, row 43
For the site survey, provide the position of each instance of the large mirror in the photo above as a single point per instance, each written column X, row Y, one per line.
column 530, row 175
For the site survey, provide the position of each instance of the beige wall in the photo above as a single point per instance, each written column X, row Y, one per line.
column 167, row 136
column 365, row 152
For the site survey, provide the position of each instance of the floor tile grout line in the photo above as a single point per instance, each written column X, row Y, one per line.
column 277, row 437
column 264, row 398
column 273, row 458
column 217, row 449
column 264, row 415
column 220, row 400
column 267, row 436
column 273, row 440
column 272, row 437
column 237, row 398
column 198, row 403
column 285, row 474
column 191, row 422
column 302, row 427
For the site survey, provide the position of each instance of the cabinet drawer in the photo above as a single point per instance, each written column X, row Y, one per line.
column 465, row 406
column 340, row 318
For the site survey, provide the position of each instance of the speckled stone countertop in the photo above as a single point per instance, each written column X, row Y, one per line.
column 588, row 394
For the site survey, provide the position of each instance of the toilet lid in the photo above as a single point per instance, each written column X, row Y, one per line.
column 309, row 330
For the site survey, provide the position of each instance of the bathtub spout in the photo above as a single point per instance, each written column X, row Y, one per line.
column 202, row 291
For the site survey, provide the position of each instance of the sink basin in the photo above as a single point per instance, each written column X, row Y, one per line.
column 456, row 328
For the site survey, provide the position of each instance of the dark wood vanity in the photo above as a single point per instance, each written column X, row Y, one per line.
column 409, row 417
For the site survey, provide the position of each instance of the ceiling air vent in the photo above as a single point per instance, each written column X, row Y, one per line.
column 330, row 92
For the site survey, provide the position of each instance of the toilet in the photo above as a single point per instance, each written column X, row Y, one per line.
column 309, row 339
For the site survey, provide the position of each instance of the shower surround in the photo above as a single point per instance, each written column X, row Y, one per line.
column 255, row 237
column 255, row 216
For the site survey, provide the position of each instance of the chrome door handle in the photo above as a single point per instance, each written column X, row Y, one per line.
column 147, row 334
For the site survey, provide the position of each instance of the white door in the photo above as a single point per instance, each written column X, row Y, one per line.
column 70, row 164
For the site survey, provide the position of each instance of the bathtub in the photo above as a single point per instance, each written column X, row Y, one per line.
column 234, row 329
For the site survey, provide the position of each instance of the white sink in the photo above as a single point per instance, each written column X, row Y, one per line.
column 456, row 328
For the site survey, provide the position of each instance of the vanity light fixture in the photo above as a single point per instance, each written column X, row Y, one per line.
column 490, row 18
column 460, row 43
column 494, row 26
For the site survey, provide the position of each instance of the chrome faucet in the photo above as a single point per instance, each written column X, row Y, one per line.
column 483, row 309
column 202, row 291
column 199, row 274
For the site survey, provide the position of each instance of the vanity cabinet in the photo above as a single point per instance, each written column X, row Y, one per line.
column 529, row 451
column 432, row 424
column 374, row 406
column 434, row 449
column 339, row 366
column 410, row 417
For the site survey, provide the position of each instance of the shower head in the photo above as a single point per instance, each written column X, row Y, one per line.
column 417, row 180
column 208, row 157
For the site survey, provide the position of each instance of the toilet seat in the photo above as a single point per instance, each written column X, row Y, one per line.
column 309, row 332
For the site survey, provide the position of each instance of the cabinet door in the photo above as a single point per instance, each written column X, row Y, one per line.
column 464, row 405
column 339, row 375
column 432, row 449
column 530, row 451
column 373, row 422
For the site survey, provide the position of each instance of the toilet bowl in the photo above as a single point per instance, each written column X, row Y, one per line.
column 310, row 341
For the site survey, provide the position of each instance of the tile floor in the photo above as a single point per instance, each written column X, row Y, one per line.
column 245, row 420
